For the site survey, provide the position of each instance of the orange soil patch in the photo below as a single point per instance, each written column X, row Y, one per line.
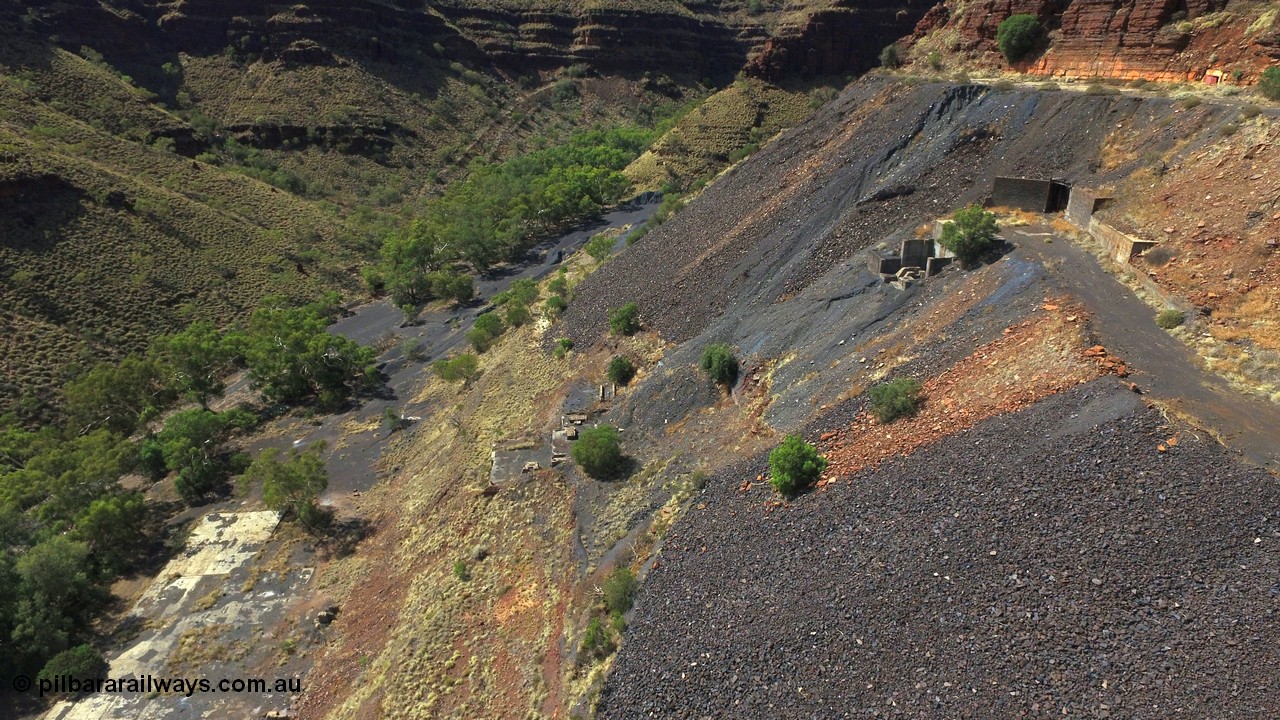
column 364, row 625
column 1041, row 356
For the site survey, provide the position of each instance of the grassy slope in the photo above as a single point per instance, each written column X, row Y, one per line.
column 129, row 240
column 135, row 240
column 747, row 113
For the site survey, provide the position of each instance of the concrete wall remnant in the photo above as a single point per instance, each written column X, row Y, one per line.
column 1120, row 246
column 924, row 254
column 1083, row 203
column 1030, row 194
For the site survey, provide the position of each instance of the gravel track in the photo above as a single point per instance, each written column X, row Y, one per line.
column 1047, row 563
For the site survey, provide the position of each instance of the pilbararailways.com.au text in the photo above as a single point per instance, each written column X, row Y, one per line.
column 152, row 685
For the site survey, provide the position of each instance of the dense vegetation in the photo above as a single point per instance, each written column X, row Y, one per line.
column 598, row 451
column 621, row 370
column 1017, row 35
column 68, row 527
column 720, row 364
column 970, row 234
column 794, row 465
column 500, row 210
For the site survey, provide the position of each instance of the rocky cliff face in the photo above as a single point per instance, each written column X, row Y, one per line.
column 711, row 39
column 844, row 39
column 1150, row 39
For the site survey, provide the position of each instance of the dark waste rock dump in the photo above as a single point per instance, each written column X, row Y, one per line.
column 1037, row 565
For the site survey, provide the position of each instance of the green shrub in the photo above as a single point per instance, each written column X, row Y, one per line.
column 292, row 482
column 491, row 324
column 619, row 590
column 554, row 306
column 599, row 247
column 453, row 286
column 81, row 662
column 522, row 292
column 151, row 459
column 596, row 642
column 1170, row 319
column 794, row 465
column 563, row 346
column 598, row 451
column 1017, row 36
column 517, row 314
column 895, row 399
column 1190, row 101
column 625, row 320
column 485, row 331
column 558, row 285
column 621, row 370
column 460, row 570
column 935, row 60
column 971, row 234
column 891, row 56
column 463, row 367
column 720, row 364
column 1269, row 83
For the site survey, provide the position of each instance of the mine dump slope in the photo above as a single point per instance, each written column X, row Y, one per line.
column 868, row 168
column 1050, row 562
column 1040, row 541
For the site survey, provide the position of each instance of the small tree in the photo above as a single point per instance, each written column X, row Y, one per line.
column 554, row 306
column 891, row 56
column 599, row 247
column 517, row 314
column 625, row 320
column 894, row 399
column 487, row 329
column 621, row 370
column 453, row 286
column 598, row 451
column 794, row 465
column 970, row 234
column 563, row 347
column 463, row 367
column 1017, row 35
column 1269, row 83
column 292, row 485
column 81, row 662
column 596, row 642
column 720, row 364
column 620, row 590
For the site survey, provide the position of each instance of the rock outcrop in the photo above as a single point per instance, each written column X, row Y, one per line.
column 845, row 39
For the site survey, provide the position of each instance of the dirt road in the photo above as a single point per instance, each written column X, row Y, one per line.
column 1163, row 366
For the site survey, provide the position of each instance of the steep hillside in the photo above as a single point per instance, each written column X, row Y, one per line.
column 168, row 138
column 497, row 601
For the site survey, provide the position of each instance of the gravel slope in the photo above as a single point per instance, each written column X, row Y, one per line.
column 1047, row 563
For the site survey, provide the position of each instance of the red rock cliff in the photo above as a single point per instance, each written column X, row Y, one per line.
column 1151, row 39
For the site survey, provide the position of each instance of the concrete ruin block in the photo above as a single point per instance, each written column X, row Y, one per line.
column 1030, row 194
column 1084, row 202
column 936, row 264
column 916, row 252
